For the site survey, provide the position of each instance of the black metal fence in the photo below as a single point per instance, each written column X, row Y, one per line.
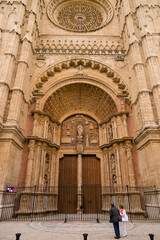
column 68, row 203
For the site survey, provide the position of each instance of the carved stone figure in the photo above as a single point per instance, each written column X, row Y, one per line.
column 110, row 132
column 80, row 130
column 113, row 170
column 46, row 174
column 49, row 133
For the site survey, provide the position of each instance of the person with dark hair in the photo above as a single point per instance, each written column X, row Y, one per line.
column 114, row 218
column 124, row 220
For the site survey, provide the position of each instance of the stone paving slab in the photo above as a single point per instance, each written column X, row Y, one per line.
column 74, row 230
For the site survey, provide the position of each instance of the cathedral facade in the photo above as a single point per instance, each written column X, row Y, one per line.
column 79, row 94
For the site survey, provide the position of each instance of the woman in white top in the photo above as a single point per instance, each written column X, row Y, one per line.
column 124, row 219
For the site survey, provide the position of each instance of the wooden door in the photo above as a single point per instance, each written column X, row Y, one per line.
column 67, row 198
column 91, row 184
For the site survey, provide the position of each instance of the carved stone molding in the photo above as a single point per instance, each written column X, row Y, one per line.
column 80, row 16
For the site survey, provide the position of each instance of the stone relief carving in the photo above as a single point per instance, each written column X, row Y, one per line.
column 113, row 169
column 46, row 172
column 82, row 130
column 115, row 128
column 49, row 133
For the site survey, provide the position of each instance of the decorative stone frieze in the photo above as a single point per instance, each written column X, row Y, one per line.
column 80, row 50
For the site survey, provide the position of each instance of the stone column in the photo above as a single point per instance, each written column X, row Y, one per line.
column 130, row 165
column 35, row 124
column 119, row 173
column 79, row 183
column 79, row 167
column 21, row 83
column 56, row 169
column 125, row 129
column 42, row 166
column 123, row 160
column 114, row 126
column 106, row 170
column 12, row 18
column 139, row 83
column 52, row 172
column 101, row 141
column 103, row 182
column 45, row 129
column 36, row 164
column 104, row 134
column 54, row 137
column 119, row 127
column 30, row 163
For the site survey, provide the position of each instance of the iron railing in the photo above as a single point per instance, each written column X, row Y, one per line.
column 68, row 203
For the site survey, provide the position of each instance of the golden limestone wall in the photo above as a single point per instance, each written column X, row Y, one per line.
column 140, row 33
column 117, row 53
column 17, row 32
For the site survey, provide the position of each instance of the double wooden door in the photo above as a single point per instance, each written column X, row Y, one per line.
column 91, row 190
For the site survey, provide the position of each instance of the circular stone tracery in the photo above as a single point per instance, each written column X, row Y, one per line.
column 80, row 16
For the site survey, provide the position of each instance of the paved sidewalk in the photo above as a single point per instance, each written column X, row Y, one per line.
column 74, row 230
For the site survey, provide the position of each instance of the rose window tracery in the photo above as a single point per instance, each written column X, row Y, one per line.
column 80, row 16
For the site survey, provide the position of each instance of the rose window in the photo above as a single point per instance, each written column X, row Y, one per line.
column 80, row 16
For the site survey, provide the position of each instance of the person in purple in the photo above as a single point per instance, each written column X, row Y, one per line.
column 114, row 218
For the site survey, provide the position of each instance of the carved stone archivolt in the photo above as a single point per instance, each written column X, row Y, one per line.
column 80, row 16
column 76, row 63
